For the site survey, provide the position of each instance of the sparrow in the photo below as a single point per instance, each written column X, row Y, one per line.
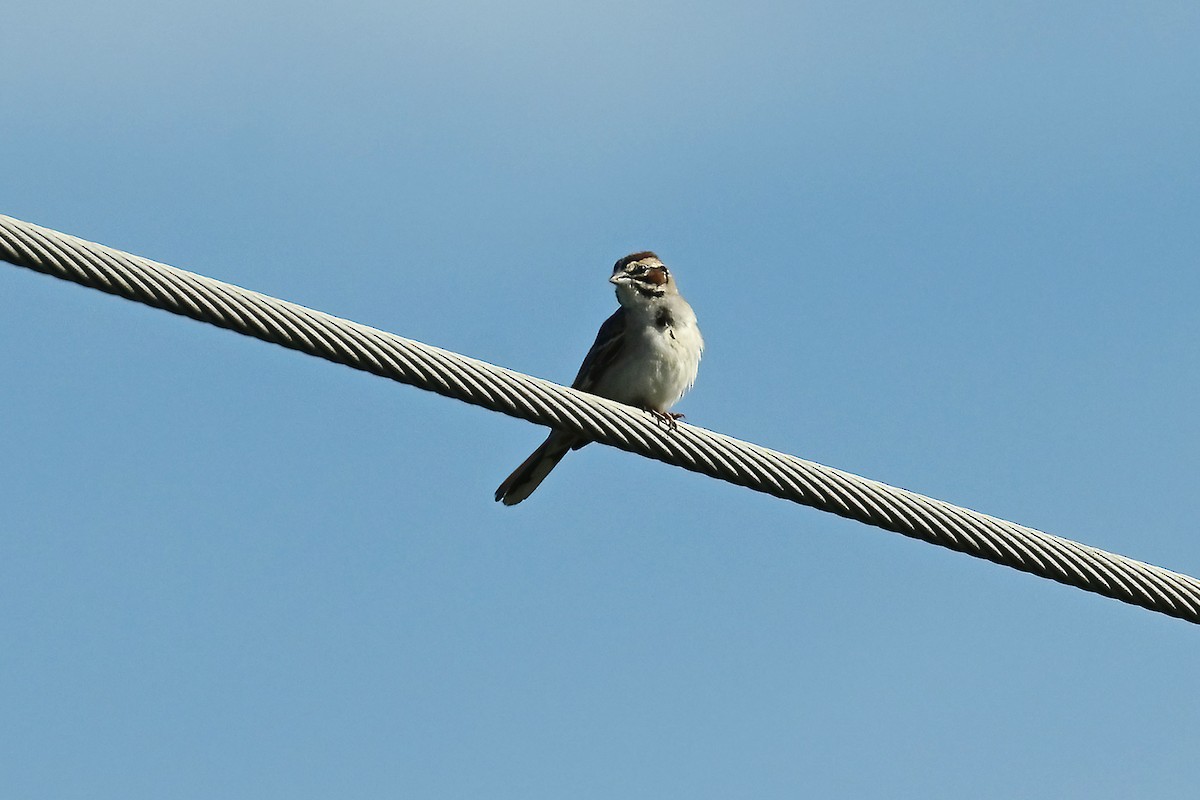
column 646, row 355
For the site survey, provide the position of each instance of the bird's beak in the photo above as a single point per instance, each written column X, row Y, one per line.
column 620, row 278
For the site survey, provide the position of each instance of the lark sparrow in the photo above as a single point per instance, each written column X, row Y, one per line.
column 646, row 355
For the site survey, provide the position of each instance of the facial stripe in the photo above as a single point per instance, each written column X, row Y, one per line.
column 648, row 289
column 656, row 275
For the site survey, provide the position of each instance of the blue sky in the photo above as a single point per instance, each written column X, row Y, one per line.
column 949, row 246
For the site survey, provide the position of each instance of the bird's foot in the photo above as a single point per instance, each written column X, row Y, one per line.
column 666, row 418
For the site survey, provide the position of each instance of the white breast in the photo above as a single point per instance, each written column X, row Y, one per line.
column 658, row 363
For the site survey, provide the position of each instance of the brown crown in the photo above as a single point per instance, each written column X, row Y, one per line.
column 629, row 259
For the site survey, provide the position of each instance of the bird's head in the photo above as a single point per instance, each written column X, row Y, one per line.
column 642, row 276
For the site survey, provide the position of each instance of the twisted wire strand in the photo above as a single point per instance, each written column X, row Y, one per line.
column 523, row 396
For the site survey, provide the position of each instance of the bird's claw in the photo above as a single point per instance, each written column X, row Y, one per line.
column 666, row 419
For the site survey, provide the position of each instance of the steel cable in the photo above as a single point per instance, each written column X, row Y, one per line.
column 518, row 395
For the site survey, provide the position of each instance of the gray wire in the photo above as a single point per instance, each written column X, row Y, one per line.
column 546, row 403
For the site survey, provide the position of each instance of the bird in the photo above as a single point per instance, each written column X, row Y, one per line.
column 646, row 354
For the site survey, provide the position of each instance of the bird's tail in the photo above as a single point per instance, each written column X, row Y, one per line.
column 533, row 470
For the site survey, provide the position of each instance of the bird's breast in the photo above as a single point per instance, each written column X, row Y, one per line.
column 658, row 366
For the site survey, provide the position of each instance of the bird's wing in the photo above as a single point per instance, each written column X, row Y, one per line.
column 605, row 349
